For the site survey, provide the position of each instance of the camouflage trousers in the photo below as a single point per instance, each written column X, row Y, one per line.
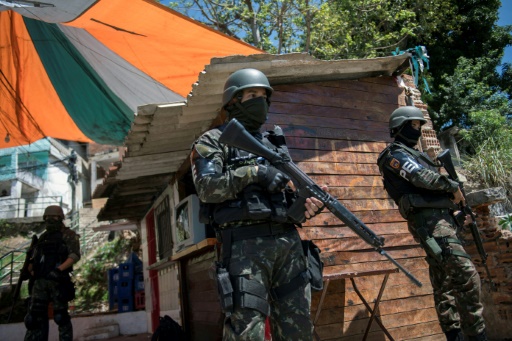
column 44, row 292
column 271, row 261
column 455, row 281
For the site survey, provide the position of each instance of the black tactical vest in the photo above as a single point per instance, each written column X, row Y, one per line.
column 50, row 252
column 254, row 203
column 395, row 185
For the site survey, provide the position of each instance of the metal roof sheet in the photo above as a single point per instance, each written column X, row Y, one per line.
column 161, row 135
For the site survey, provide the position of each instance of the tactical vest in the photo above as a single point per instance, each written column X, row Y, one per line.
column 395, row 185
column 50, row 252
column 254, row 203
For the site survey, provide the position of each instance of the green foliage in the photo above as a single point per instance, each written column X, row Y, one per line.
column 473, row 86
column 91, row 276
column 346, row 29
column 506, row 222
column 10, row 229
column 489, row 155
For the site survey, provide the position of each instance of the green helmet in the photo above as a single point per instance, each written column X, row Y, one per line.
column 243, row 79
column 402, row 115
column 53, row 210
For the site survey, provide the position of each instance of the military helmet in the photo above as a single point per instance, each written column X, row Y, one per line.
column 402, row 115
column 243, row 79
column 53, row 210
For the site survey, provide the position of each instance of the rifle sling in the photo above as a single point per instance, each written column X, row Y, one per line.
column 418, row 154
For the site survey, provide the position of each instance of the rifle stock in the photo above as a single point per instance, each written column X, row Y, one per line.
column 24, row 275
column 235, row 135
column 447, row 162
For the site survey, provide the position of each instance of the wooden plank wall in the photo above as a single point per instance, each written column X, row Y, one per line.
column 335, row 131
column 204, row 319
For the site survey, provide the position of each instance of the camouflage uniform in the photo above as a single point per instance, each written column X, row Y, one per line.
column 414, row 184
column 45, row 291
column 267, row 262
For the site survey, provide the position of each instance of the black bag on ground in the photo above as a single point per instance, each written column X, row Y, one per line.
column 168, row 330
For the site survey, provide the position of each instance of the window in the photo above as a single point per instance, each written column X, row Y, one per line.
column 35, row 163
column 163, row 228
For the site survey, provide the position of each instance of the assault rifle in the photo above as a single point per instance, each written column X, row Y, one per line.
column 446, row 160
column 24, row 275
column 235, row 135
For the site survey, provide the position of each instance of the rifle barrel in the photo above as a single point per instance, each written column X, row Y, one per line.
column 407, row 273
column 236, row 135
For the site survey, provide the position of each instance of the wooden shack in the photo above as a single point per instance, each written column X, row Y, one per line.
column 334, row 115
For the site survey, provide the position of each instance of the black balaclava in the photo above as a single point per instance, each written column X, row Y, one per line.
column 252, row 113
column 408, row 135
column 53, row 225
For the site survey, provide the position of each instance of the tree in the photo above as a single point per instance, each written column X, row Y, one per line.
column 473, row 86
column 280, row 26
column 474, row 35
column 454, row 31
column 373, row 28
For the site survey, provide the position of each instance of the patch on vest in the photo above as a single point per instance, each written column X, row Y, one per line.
column 395, row 163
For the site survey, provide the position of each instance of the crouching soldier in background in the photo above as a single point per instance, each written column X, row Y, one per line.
column 56, row 251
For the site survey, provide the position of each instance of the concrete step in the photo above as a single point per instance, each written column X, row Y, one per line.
column 101, row 332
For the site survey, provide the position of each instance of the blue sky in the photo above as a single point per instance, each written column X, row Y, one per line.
column 506, row 19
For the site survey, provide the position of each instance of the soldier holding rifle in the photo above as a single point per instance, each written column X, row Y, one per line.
column 56, row 251
column 427, row 200
column 263, row 270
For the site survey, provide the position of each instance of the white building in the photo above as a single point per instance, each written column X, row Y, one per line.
column 46, row 172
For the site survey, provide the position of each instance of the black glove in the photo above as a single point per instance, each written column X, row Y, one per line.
column 55, row 275
column 271, row 178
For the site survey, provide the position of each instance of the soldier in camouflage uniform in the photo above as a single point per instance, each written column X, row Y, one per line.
column 56, row 251
column 263, row 267
column 428, row 200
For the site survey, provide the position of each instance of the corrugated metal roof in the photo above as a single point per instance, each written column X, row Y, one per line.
column 161, row 135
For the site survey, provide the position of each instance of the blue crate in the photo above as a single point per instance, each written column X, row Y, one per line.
column 113, row 275
column 135, row 260
column 125, row 288
column 125, row 304
column 112, row 302
column 139, row 282
column 113, row 290
column 126, row 271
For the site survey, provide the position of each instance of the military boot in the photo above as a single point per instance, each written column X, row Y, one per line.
column 454, row 335
column 480, row 337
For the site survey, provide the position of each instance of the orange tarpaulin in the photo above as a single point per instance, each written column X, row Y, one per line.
column 83, row 79
column 30, row 107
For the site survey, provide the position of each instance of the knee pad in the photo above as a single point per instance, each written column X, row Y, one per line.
column 61, row 317
column 30, row 321
column 34, row 321
column 37, row 313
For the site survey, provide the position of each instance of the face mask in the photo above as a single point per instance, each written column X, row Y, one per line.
column 409, row 135
column 251, row 113
column 53, row 225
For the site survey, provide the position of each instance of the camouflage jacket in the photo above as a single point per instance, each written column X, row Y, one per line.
column 72, row 241
column 213, row 181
